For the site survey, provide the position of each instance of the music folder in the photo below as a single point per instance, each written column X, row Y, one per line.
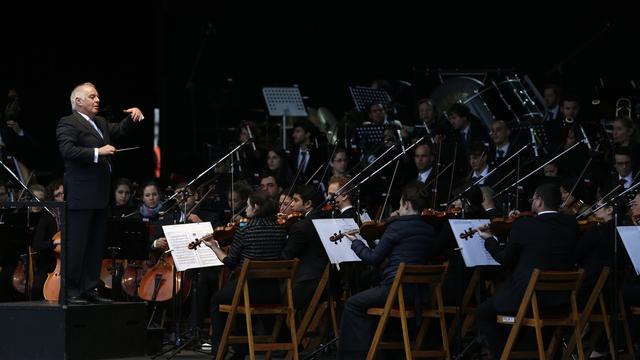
column 472, row 248
column 179, row 237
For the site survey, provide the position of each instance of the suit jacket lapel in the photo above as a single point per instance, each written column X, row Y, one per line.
column 86, row 124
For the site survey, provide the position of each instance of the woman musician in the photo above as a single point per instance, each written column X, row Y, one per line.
column 261, row 239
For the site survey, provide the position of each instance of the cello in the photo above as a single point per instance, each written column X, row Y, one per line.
column 157, row 284
column 51, row 289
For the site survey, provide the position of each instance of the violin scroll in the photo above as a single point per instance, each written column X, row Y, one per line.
column 337, row 237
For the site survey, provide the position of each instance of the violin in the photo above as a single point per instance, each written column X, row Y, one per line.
column 51, row 289
column 197, row 242
column 573, row 208
column 157, row 284
column 500, row 226
column 371, row 230
column 337, row 237
column 432, row 216
column 224, row 234
column 286, row 220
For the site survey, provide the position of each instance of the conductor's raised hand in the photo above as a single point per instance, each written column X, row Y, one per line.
column 135, row 113
column 106, row 150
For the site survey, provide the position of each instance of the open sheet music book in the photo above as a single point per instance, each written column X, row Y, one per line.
column 180, row 235
column 630, row 236
column 339, row 251
column 472, row 249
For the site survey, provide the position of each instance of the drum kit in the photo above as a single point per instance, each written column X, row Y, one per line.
column 508, row 98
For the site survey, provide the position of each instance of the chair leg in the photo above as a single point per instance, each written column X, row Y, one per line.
column 607, row 328
column 334, row 318
column 625, row 326
column 443, row 322
column 292, row 330
column 275, row 333
column 508, row 347
column 247, row 317
column 538, row 328
column 405, row 328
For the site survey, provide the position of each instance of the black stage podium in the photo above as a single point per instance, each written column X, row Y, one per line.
column 46, row 330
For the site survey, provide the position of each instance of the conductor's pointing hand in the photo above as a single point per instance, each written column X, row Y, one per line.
column 135, row 113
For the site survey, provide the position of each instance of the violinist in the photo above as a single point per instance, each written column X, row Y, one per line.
column 595, row 249
column 304, row 243
column 260, row 239
column 546, row 242
column 572, row 203
column 406, row 239
column 343, row 207
column 270, row 184
column 237, row 199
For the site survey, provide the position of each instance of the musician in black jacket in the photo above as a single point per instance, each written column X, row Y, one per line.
column 406, row 239
column 545, row 242
column 304, row 243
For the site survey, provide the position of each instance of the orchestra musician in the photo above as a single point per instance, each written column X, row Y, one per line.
column 546, row 242
column 84, row 140
column 304, row 243
column 261, row 239
column 406, row 239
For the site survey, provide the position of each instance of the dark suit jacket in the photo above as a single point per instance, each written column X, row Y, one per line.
column 87, row 184
column 545, row 242
column 304, row 243
column 350, row 213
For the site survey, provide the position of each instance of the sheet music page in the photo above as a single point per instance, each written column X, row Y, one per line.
column 472, row 249
column 180, row 235
column 340, row 251
column 630, row 236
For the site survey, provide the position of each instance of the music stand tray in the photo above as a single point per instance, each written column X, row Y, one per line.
column 363, row 96
column 284, row 101
column 131, row 236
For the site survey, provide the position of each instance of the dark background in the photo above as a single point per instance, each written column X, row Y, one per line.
column 203, row 65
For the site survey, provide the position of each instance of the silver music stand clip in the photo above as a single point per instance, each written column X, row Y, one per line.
column 284, row 101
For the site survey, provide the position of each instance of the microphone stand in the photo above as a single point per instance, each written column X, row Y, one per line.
column 339, row 191
column 488, row 174
column 538, row 168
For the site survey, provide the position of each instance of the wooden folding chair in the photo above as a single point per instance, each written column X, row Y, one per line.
column 263, row 270
column 419, row 275
column 587, row 316
column 464, row 315
column 314, row 312
column 547, row 282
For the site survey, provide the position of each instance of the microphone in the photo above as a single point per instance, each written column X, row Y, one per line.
column 253, row 144
column 534, row 142
column 585, row 138
column 404, row 151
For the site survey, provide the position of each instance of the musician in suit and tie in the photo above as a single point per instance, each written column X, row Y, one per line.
column 467, row 130
column 426, row 173
column 343, row 207
column 546, row 242
column 307, row 157
column 500, row 148
column 552, row 94
column 84, row 140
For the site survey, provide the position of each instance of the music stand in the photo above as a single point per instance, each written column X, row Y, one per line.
column 129, row 238
column 369, row 137
column 284, row 101
column 363, row 96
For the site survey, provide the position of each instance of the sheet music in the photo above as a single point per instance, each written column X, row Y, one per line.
column 180, row 235
column 472, row 249
column 340, row 251
column 630, row 236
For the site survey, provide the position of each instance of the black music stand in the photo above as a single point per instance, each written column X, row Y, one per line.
column 127, row 238
column 284, row 101
column 363, row 96
column 369, row 137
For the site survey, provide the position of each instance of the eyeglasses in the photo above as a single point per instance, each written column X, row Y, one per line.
column 58, row 194
column 623, row 163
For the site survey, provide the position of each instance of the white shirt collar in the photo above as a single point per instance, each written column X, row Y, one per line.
column 345, row 208
column 547, row 212
column 423, row 175
column 627, row 180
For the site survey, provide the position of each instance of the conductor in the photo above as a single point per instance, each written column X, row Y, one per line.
column 84, row 140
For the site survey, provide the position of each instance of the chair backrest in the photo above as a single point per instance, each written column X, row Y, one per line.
column 421, row 274
column 559, row 280
column 271, row 269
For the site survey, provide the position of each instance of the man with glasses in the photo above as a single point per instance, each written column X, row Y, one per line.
column 545, row 242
